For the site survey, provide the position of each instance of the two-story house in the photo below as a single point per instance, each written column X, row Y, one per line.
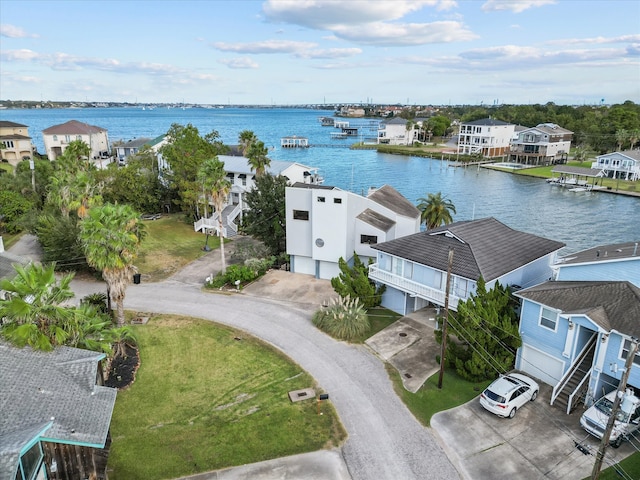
column 623, row 165
column 16, row 142
column 57, row 139
column 54, row 421
column 131, row 147
column 487, row 137
column 414, row 267
column 394, row 132
column 242, row 179
column 544, row 144
column 326, row 223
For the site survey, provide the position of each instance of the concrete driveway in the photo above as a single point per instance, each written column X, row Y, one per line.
column 539, row 442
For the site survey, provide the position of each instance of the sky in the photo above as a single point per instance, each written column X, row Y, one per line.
column 284, row 52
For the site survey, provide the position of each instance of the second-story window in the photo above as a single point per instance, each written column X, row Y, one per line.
column 370, row 239
column 320, row 199
column 548, row 318
column 626, row 346
column 301, row 215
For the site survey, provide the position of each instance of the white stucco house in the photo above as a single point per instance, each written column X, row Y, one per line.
column 242, row 180
column 624, row 165
column 414, row 267
column 544, row 144
column 487, row 137
column 326, row 223
column 16, row 142
column 394, row 132
column 57, row 139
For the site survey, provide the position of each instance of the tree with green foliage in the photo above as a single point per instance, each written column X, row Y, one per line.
column 59, row 237
column 111, row 236
column 621, row 137
column 13, row 207
column 185, row 152
column 246, row 138
column 258, row 160
column 435, row 210
column 33, row 313
column 438, row 125
column 486, row 326
column 266, row 217
column 580, row 154
column 353, row 281
column 214, row 182
column 344, row 318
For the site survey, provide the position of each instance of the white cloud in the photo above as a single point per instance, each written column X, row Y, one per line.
column 598, row 40
column 267, row 46
column 239, row 62
column 11, row 31
column 515, row 6
column 329, row 53
column 392, row 34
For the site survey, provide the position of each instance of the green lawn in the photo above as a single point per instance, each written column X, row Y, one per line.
column 208, row 397
column 169, row 245
column 429, row 400
column 630, row 466
column 379, row 319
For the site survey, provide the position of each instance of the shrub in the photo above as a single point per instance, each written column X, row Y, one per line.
column 344, row 319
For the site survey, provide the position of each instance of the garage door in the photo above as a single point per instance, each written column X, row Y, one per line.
column 540, row 365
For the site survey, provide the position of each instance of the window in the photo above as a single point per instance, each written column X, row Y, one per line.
column 626, row 346
column 370, row 239
column 337, row 200
column 30, row 461
column 548, row 318
column 320, row 199
column 8, row 143
column 55, row 138
column 67, row 138
column 301, row 215
column 78, row 137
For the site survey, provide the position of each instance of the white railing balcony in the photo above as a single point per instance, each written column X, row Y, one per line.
column 414, row 289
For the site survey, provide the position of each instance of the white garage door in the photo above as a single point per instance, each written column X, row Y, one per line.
column 541, row 366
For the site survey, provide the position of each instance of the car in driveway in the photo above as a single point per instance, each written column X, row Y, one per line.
column 626, row 423
column 509, row 393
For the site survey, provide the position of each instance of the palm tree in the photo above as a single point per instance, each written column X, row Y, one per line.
column 634, row 136
column 246, row 139
column 214, row 180
column 435, row 210
column 111, row 236
column 33, row 313
column 258, row 160
column 409, row 127
column 580, row 154
column 621, row 137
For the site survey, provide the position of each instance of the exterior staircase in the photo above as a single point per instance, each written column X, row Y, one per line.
column 210, row 224
column 570, row 391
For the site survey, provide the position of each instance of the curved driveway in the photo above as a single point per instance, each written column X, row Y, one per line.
column 385, row 441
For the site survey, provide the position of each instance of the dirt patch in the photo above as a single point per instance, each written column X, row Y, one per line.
column 123, row 369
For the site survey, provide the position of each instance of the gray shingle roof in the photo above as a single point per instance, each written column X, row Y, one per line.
column 60, row 385
column 389, row 197
column 612, row 305
column 603, row 253
column 8, row 124
column 483, row 247
column 376, row 220
column 486, row 121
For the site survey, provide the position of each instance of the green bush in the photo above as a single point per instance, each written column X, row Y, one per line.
column 344, row 319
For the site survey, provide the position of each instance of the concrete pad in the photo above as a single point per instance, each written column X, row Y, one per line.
column 304, row 394
column 393, row 339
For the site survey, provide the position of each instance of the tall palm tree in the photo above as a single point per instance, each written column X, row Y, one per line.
column 246, row 139
column 214, row 181
column 111, row 236
column 435, row 210
column 621, row 137
column 33, row 313
column 258, row 160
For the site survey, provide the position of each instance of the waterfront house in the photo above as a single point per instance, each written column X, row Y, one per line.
column 414, row 267
column 394, row 132
column 57, row 139
column 576, row 336
column 131, row 147
column 55, row 419
column 544, row 144
column 16, row 142
column 616, row 262
column 487, row 137
column 623, row 165
column 242, row 179
column 326, row 223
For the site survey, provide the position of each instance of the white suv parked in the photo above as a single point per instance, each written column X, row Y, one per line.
column 508, row 393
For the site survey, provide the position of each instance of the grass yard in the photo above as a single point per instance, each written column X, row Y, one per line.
column 379, row 318
column 429, row 400
column 169, row 245
column 630, row 466
column 208, row 397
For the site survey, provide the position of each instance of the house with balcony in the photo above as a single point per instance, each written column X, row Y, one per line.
column 623, row 165
column 544, row 144
column 16, row 142
column 242, row 180
column 414, row 267
column 487, row 137
column 55, row 418
column 57, row 139
column 576, row 336
column 326, row 223
column 394, row 132
column 615, row 262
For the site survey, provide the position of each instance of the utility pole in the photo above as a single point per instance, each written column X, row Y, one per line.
column 595, row 474
column 443, row 347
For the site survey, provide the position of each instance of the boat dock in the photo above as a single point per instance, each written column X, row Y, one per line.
column 294, row 141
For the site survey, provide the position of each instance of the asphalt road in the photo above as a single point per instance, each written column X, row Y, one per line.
column 385, row 440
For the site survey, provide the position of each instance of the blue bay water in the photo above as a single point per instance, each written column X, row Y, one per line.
column 579, row 219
